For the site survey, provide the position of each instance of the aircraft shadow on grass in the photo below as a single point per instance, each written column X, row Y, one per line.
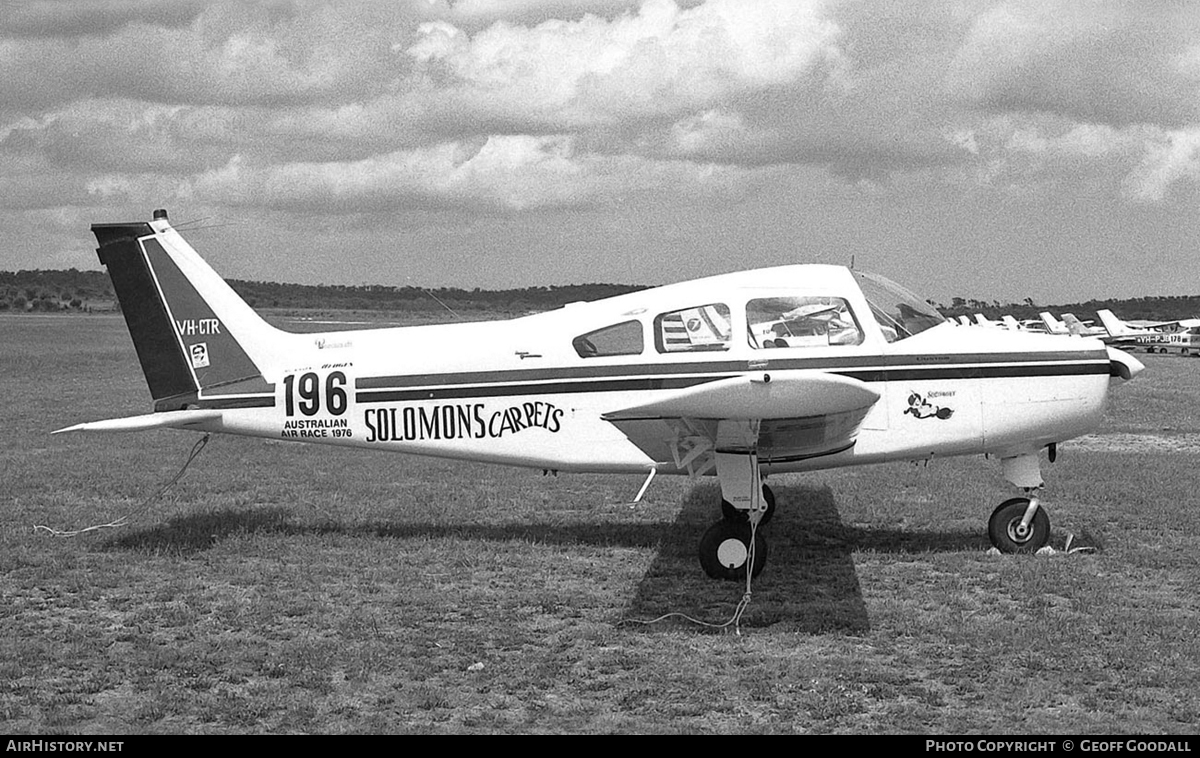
column 810, row 583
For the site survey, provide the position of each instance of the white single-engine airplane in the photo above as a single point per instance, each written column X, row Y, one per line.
column 1155, row 336
column 794, row 368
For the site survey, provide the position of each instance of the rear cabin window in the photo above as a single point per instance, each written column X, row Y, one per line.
column 801, row 321
column 702, row 327
column 624, row 338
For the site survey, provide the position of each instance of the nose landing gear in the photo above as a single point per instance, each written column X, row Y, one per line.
column 1014, row 529
column 1021, row 524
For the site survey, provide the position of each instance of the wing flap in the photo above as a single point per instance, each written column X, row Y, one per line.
column 164, row 420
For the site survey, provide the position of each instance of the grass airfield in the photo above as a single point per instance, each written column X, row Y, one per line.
column 282, row 588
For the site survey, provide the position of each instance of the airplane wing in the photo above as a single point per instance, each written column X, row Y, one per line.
column 785, row 416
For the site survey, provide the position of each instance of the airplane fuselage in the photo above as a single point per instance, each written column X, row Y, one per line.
column 474, row 391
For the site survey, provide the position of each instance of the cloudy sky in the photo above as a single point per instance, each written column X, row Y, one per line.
column 986, row 149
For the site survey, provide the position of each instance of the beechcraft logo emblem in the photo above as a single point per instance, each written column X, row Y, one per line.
column 199, row 355
column 922, row 408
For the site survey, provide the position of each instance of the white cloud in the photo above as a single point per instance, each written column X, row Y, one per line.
column 515, row 172
column 1173, row 157
column 662, row 62
column 520, row 105
column 1117, row 63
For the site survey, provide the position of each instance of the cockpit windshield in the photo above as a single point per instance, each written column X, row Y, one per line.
column 900, row 313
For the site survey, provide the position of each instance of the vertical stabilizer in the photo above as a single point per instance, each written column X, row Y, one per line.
column 1053, row 325
column 1074, row 325
column 1115, row 326
column 196, row 339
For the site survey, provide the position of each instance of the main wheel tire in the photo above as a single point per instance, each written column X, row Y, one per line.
column 725, row 551
column 729, row 513
column 1004, row 527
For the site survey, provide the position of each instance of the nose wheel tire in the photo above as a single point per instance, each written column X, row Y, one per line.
column 1004, row 527
column 729, row 513
column 725, row 551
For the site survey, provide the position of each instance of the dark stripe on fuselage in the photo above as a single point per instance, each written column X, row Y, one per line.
column 551, row 388
column 434, row 390
column 977, row 372
column 730, row 367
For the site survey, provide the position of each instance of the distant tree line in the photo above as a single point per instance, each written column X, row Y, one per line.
column 380, row 297
column 91, row 291
column 1157, row 308
column 41, row 291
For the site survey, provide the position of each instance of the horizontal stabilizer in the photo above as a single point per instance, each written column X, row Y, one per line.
column 165, row 420
column 760, row 395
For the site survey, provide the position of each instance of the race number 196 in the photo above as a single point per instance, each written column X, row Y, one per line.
column 304, row 391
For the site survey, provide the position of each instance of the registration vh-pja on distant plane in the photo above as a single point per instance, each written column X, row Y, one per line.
column 741, row 376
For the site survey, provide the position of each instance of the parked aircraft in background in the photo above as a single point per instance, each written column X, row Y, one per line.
column 1082, row 328
column 1125, row 335
column 1053, row 325
column 1154, row 336
column 1186, row 340
column 741, row 376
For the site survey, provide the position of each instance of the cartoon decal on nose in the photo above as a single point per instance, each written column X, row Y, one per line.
column 922, row 408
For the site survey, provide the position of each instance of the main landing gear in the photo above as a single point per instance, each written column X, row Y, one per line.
column 725, row 550
column 735, row 544
column 1021, row 525
column 725, row 547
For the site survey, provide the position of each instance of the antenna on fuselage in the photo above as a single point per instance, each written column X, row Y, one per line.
column 437, row 300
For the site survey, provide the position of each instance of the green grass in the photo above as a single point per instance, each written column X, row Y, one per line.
column 295, row 589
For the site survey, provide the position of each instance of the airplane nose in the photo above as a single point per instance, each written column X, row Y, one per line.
column 1123, row 365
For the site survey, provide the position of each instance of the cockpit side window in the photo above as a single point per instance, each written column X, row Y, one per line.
column 702, row 327
column 624, row 338
column 801, row 321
